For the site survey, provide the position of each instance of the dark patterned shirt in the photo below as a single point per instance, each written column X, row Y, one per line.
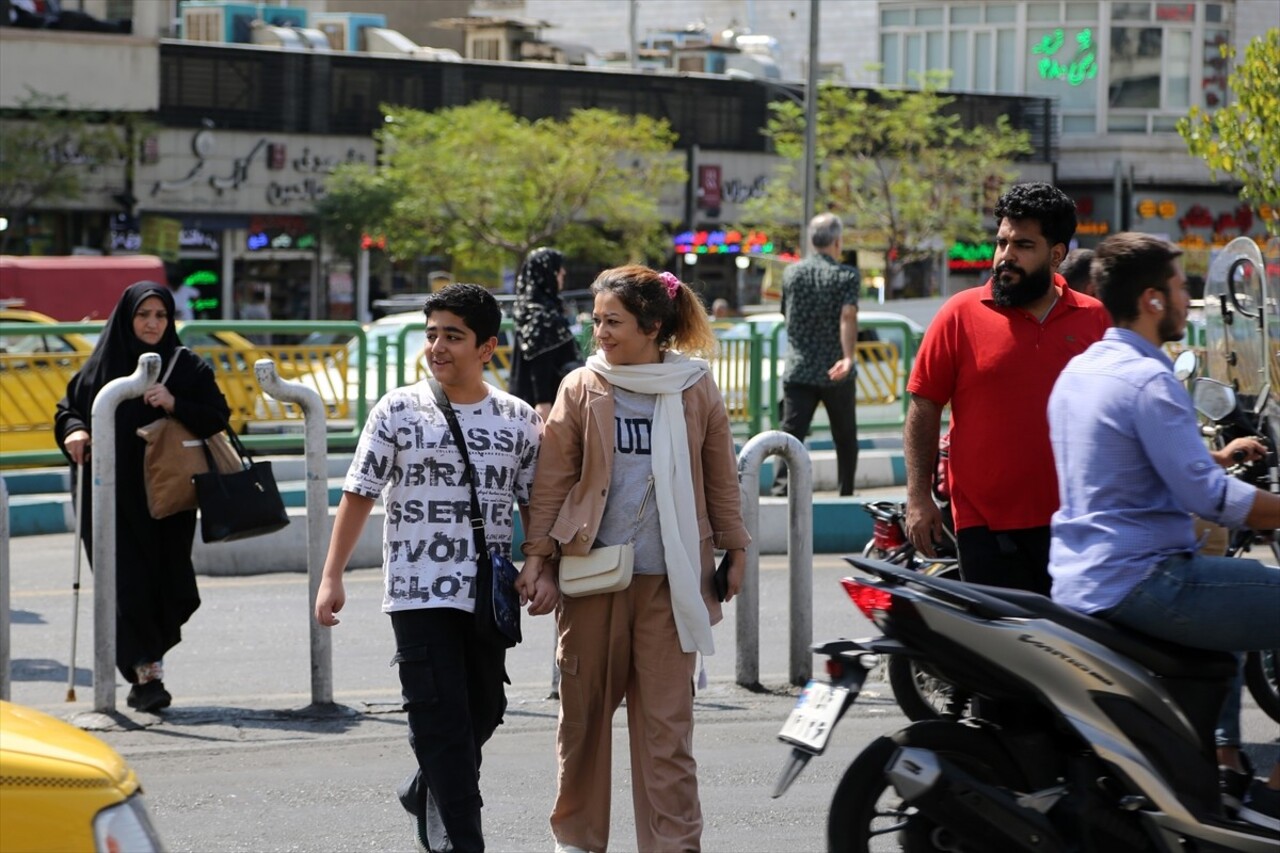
column 814, row 292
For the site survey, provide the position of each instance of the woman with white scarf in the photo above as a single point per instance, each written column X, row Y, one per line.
column 638, row 450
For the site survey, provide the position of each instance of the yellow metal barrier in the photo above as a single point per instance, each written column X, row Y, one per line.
column 31, row 384
column 879, row 373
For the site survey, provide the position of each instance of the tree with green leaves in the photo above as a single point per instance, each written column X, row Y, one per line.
column 484, row 186
column 1241, row 140
column 901, row 170
column 47, row 150
column 358, row 200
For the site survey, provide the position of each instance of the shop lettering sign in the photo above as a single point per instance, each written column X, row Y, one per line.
column 1081, row 66
column 293, row 182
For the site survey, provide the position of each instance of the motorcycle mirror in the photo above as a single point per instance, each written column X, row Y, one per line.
column 1185, row 365
column 1213, row 399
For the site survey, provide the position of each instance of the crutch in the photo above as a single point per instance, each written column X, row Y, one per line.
column 75, row 583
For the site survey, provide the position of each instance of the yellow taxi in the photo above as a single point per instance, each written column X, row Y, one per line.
column 62, row 789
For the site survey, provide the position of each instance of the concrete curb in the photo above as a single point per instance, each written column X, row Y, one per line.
column 840, row 526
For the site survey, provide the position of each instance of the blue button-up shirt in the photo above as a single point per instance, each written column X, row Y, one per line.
column 1132, row 466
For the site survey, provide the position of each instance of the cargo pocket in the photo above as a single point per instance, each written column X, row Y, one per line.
column 417, row 676
column 572, row 712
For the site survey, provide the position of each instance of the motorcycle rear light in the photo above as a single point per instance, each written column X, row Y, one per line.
column 887, row 534
column 835, row 668
column 868, row 599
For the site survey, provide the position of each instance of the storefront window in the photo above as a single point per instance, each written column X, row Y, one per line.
column 895, row 17
column 1043, row 12
column 1082, row 12
column 966, row 14
column 1177, row 70
column 960, row 59
column 1130, row 11
column 931, row 17
column 1216, row 69
column 1006, row 67
column 1002, row 14
column 891, row 59
column 982, row 62
column 1135, row 67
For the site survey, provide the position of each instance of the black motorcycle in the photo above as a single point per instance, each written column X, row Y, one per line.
column 1228, row 420
column 1115, row 751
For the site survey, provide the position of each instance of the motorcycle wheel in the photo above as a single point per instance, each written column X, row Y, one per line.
column 1262, row 676
column 868, row 816
column 920, row 695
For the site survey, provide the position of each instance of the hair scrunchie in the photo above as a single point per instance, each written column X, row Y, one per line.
column 671, row 283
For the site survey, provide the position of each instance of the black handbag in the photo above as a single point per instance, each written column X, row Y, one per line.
column 497, row 602
column 240, row 504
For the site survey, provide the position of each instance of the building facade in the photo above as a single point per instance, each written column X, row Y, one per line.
column 234, row 144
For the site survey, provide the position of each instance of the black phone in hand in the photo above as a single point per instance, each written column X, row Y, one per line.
column 721, row 577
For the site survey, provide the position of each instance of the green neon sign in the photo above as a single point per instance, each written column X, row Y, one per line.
column 1082, row 66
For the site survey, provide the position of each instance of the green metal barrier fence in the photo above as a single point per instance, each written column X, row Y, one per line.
column 350, row 369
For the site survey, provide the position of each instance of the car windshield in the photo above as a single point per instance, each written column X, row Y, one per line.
column 413, row 342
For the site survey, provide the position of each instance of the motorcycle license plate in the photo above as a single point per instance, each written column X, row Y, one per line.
column 814, row 717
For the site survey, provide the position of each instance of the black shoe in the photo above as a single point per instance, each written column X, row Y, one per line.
column 149, row 697
column 1234, row 783
column 1261, row 806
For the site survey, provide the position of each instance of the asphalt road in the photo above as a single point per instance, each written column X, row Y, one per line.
column 239, row 763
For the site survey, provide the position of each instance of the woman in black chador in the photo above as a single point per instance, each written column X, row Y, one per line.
column 155, row 581
column 545, row 349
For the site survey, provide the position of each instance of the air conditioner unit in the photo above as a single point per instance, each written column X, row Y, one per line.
column 344, row 29
column 218, row 21
column 382, row 40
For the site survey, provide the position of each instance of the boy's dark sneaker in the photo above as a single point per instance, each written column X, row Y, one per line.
column 149, row 697
column 1233, row 783
column 1261, row 806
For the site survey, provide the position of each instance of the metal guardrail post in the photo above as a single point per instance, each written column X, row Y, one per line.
column 5, row 648
column 103, row 467
column 799, row 549
column 313, row 418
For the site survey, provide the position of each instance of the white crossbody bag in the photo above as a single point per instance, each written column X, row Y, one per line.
column 606, row 569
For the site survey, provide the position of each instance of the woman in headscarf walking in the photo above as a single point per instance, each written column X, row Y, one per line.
column 155, row 580
column 545, row 350
column 637, row 452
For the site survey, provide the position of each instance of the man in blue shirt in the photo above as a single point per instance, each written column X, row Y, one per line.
column 1132, row 467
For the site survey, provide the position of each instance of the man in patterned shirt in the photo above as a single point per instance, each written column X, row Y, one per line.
column 820, row 302
column 450, row 676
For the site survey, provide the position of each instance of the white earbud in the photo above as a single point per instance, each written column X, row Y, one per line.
column 1157, row 304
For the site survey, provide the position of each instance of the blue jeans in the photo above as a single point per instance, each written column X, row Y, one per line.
column 1222, row 603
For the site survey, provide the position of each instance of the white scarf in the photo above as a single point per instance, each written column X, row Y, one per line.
column 673, row 483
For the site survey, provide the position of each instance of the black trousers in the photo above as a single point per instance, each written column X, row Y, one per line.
column 1015, row 559
column 452, row 684
column 799, row 402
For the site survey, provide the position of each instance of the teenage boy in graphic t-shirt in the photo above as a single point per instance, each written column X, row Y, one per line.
column 451, row 679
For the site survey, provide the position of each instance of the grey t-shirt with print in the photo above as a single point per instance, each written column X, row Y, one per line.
column 407, row 455
column 632, row 470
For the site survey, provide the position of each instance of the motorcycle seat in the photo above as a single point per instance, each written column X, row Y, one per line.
column 1172, row 660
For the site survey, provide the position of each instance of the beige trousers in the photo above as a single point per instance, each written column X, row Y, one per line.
column 617, row 645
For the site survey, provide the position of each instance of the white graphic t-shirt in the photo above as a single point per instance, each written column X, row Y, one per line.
column 407, row 455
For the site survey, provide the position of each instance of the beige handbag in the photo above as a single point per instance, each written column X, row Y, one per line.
column 173, row 456
column 606, row 569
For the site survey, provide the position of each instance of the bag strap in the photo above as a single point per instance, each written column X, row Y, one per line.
column 246, row 461
column 172, row 362
column 477, row 515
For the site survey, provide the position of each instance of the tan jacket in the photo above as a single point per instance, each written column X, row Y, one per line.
column 575, row 466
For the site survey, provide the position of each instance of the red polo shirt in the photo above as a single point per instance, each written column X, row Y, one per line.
column 996, row 367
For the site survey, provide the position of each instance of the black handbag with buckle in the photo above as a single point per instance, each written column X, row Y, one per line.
column 497, row 602
column 239, row 504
